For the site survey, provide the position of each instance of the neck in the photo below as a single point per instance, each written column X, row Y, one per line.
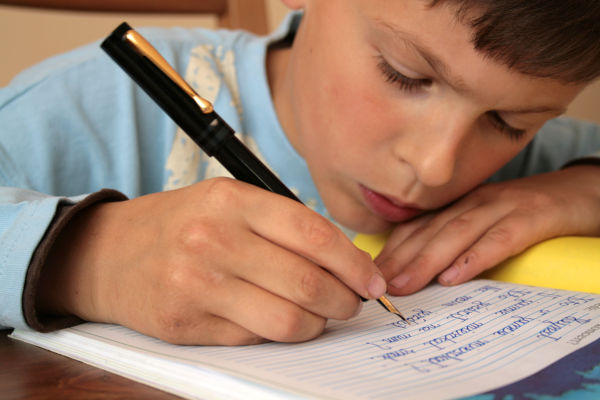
column 279, row 85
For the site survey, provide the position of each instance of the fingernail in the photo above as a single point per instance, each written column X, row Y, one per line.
column 400, row 281
column 377, row 286
column 449, row 275
column 358, row 309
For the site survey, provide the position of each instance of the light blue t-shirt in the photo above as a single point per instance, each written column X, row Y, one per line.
column 77, row 123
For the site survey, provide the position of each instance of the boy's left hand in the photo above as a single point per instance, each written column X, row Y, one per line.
column 488, row 225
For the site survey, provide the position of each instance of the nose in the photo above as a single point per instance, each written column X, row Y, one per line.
column 433, row 145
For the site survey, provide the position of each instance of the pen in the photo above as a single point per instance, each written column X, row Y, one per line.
column 144, row 64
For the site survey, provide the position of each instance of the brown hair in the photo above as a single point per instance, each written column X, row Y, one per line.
column 557, row 39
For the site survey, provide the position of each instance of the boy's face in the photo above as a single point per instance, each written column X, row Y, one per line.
column 394, row 111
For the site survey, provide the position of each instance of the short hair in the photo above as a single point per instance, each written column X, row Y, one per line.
column 558, row 39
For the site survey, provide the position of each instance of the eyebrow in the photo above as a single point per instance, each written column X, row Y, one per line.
column 439, row 66
column 443, row 70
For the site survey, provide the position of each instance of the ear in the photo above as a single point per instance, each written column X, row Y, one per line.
column 294, row 4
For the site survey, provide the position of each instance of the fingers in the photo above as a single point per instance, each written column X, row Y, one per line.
column 201, row 303
column 440, row 251
column 478, row 232
column 410, row 237
column 268, row 278
column 298, row 229
column 400, row 234
column 297, row 280
column 306, row 233
column 256, row 317
column 500, row 242
column 209, row 305
column 210, row 330
column 437, row 245
column 267, row 315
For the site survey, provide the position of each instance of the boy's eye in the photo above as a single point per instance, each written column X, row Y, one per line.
column 403, row 81
column 501, row 125
column 411, row 85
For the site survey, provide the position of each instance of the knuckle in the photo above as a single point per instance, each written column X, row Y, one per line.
column 422, row 263
column 290, row 326
column 178, row 284
column 201, row 235
column 312, row 287
column 173, row 281
column 426, row 230
column 212, row 278
column 221, row 191
column 297, row 325
column 459, row 225
column 501, row 235
column 542, row 201
column 421, row 270
column 349, row 312
column 394, row 263
column 318, row 232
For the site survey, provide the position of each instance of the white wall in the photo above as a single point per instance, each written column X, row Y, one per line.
column 28, row 36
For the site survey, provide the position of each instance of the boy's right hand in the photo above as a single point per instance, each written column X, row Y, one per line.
column 218, row 262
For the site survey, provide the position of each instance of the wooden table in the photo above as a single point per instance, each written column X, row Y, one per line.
column 28, row 372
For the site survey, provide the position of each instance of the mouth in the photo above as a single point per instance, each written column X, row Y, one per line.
column 388, row 208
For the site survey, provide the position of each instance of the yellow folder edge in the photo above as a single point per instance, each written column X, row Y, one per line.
column 570, row 263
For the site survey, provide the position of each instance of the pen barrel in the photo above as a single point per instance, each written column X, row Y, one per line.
column 164, row 91
column 214, row 136
column 245, row 166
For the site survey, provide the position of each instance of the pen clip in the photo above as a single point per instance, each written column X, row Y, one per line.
column 143, row 47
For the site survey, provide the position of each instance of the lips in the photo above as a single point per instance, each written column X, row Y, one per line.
column 386, row 207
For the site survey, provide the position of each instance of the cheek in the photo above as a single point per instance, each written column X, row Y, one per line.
column 480, row 160
column 338, row 113
column 356, row 109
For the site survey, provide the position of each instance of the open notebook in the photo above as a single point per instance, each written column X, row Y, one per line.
column 462, row 341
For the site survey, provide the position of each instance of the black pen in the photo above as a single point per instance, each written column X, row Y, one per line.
column 144, row 64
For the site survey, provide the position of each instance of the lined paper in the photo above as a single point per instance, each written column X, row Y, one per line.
column 461, row 340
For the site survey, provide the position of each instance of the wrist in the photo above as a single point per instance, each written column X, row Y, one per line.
column 49, row 279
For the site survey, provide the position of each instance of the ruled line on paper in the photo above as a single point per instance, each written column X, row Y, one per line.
column 479, row 332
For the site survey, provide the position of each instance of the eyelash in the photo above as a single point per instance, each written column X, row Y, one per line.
column 404, row 82
column 498, row 123
column 412, row 85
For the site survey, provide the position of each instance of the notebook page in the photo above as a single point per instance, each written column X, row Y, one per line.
column 462, row 340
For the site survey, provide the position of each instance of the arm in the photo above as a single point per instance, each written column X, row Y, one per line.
column 203, row 264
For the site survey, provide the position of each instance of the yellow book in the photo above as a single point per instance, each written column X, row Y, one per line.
column 571, row 263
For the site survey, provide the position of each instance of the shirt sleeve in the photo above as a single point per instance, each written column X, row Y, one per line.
column 64, row 213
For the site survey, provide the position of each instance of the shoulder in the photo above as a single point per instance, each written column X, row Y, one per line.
column 563, row 127
column 89, row 65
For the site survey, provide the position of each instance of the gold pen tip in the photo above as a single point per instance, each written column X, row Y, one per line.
column 403, row 319
column 387, row 304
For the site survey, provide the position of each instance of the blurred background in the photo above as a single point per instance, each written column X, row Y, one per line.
column 29, row 35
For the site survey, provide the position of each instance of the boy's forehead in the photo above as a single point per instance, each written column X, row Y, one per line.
column 413, row 42
column 439, row 45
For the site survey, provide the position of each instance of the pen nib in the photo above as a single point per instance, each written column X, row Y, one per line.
column 387, row 304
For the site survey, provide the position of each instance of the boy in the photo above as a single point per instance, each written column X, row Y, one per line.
column 382, row 115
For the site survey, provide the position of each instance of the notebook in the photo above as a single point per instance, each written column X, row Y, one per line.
column 460, row 341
